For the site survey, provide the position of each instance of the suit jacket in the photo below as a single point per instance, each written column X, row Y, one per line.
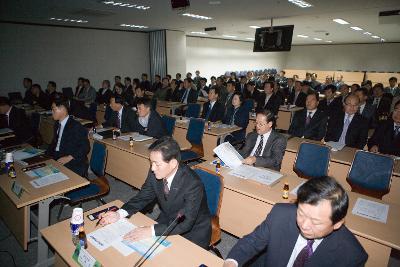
column 315, row 130
column 217, row 111
column 241, row 119
column 127, row 120
column 145, row 85
column 356, row 135
column 273, row 152
column 74, row 142
column 272, row 104
column 384, row 138
column 335, row 106
column 155, row 127
column 186, row 194
column 383, row 109
column 300, row 101
column 103, row 98
column 42, row 100
column 277, row 235
column 369, row 113
column 172, row 95
column 255, row 95
column 19, row 123
column 192, row 97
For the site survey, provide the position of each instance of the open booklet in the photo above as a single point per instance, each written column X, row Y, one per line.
column 228, row 154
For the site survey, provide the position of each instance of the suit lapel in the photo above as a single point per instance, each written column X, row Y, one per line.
column 176, row 184
column 270, row 141
column 65, row 133
column 326, row 252
column 288, row 245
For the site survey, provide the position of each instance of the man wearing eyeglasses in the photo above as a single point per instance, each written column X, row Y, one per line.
column 265, row 147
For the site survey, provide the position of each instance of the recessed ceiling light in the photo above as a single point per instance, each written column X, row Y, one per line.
column 302, row 36
column 300, row 3
column 340, row 21
column 317, row 39
column 126, row 5
column 254, row 27
column 328, row 41
column 356, row 28
column 375, row 37
column 195, row 16
column 250, row 38
column 201, row 33
column 367, row 33
column 69, row 20
column 133, row 26
column 229, row 36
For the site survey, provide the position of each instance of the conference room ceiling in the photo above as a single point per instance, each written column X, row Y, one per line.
column 230, row 17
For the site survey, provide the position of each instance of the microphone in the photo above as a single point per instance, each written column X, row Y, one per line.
column 179, row 218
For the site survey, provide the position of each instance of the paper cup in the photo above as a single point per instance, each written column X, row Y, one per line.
column 77, row 216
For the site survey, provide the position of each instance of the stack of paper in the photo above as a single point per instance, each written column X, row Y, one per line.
column 371, row 210
column 46, row 175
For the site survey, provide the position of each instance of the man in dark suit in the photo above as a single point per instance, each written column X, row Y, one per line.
column 148, row 122
column 241, row 86
column 145, row 84
column 297, row 97
column 189, row 95
column 38, row 97
column 309, row 123
column 70, row 144
column 309, row 233
column 27, row 83
column 177, row 189
column 386, row 138
column 348, row 127
column 382, row 102
column 366, row 110
column 122, row 117
column 252, row 92
column 265, row 147
column 213, row 110
column 16, row 120
column 230, row 88
column 104, row 94
column 289, row 88
column 268, row 99
column 330, row 104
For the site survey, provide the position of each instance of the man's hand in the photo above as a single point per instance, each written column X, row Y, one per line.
column 138, row 234
column 108, row 217
column 65, row 160
column 374, row 149
column 230, row 263
column 249, row 160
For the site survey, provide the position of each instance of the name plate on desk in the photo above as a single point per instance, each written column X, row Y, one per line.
column 17, row 189
column 83, row 258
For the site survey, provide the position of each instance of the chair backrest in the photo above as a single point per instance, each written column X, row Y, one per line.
column 312, row 160
column 169, row 123
column 193, row 110
column 15, row 97
column 371, row 173
column 248, row 104
column 67, row 92
column 98, row 158
column 213, row 185
column 195, row 131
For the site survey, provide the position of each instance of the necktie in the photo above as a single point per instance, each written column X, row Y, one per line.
column 308, row 119
column 396, row 131
column 346, row 124
column 166, row 188
column 208, row 112
column 58, row 142
column 118, row 124
column 257, row 153
column 304, row 254
column 183, row 100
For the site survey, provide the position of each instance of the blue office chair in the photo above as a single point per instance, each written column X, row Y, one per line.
column 169, row 123
column 98, row 187
column 194, row 136
column 248, row 104
column 370, row 174
column 312, row 160
column 193, row 110
column 214, row 187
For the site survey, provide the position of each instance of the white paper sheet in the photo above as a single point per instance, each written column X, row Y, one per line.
column 371, row 210
column 26, row 153
column 48, row 180
column 259, row 175
column 336, row 146
column 228, row 154
column 135, row 137
column 97, row 136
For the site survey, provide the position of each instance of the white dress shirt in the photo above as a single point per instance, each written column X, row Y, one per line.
column 123, row 213
column 60, row 132
column 265, row 139
column 120, row 116
column 144, row 121
column 8, row 117
column 300, row 244
column 312, row 113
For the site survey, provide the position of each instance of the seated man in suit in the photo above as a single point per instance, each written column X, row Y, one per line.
column 393, row 89
column 344, row 92
column 16, row 120
column 297, row 97
column 348, row 127
column 268, row 99
column 177, row 189
column 148, row 122
column 382, row 102
column 237, row 114
column 289, row 88
column 189, row 95
column 366, row 110
column 104, row 94
column 252, row 92
column 309, row 123
column 265, row 147
column 330, row 104
column 212, row 109
column 122, row 117
column 230, row 88
column 309, row 233
column 70, row 144
column 203, row 88
column 38, row 97
column 386, row 138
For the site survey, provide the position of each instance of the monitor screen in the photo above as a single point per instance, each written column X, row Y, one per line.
column 279, row 38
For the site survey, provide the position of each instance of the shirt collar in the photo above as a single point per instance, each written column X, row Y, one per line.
column 170, row 178
column 8, row 112
column 348, row 116
column 312, row 111
column 120, row 112
column 64, row 121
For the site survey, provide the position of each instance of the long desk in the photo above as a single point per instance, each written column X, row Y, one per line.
column 168, row 108
column 182, row 252
column 210, row 137
column 246, row 204
column 340, row 163
column 15, row 211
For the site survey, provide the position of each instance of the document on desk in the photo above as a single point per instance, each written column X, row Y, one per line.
column 135, row 137
column 371, row 210
column 336, row 146
column 262, row 176
column 26, row 153
column 142, row 246
column 46, row 175
column 228, row 154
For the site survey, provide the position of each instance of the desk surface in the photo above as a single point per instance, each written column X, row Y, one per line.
column 35, row 195
column 168, row 104
column 182, row 251
column 215, row 130
column 139, row 148
column 344, row 156
column 386, row 234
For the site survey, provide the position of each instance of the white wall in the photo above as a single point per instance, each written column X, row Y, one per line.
column 216, row 56
column 62, row 54
column 176, row 52
column 384, row 57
